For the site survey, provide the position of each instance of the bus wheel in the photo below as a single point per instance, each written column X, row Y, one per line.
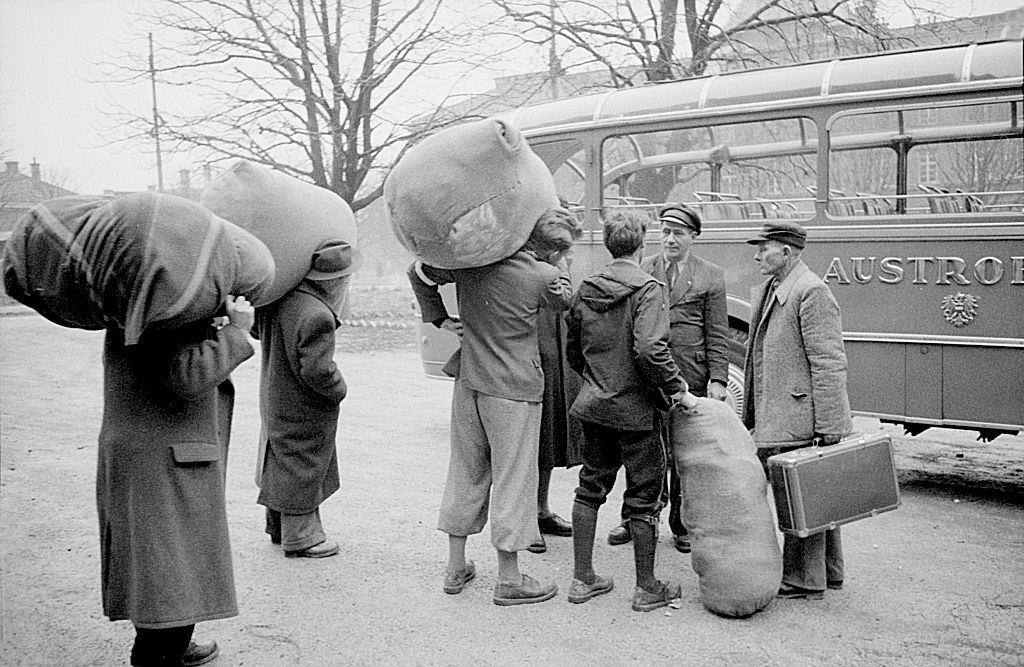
column 737, row 350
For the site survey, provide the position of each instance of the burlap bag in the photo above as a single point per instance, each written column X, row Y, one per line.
column 293, row 218
column 735, row 551
column 141, row 261
column 468, row 196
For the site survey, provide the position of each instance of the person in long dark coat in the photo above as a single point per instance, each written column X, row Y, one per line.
column 165, row 554
column 561, row 435
column 300, row 391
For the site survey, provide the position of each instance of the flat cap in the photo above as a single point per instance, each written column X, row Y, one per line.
column 782, row 231
column 680, row 214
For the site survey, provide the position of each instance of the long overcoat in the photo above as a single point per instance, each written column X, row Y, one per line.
column 795, row 384
column 165, row 553
column 300, row 390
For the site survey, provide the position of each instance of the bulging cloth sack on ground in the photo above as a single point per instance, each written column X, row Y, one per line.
column 725, row 508
column 468, row 196
column 139, row 261
column 291, row 217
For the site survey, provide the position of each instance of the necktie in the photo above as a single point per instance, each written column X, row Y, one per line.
column 670, row 275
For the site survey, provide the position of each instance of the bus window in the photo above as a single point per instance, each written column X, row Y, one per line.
column 567, row 161
column 956, row 159
column 735, row 171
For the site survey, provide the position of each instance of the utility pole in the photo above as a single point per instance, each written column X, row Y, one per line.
column 554, row 66
column 156, row 121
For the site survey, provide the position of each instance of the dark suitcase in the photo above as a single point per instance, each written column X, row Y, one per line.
column 819, row 488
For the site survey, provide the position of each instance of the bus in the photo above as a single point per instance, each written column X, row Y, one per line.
column 907, row 170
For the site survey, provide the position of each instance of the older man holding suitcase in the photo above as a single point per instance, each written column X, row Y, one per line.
column 795, row 385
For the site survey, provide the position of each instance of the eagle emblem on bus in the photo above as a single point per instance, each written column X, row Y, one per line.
column 960, row 309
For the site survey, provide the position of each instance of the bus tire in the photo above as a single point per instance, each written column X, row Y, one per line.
column 737, row 352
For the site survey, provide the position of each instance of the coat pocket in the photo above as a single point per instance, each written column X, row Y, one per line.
column 195, row 453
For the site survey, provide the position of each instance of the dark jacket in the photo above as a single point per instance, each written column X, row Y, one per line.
column 499, row 305
column 165, row 554
column 698, row 320
column 617, row 339
column 300, row 389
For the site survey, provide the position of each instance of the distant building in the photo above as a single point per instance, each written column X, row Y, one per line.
column 20, row 192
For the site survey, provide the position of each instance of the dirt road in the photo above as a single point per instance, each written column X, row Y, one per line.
column 938, row 581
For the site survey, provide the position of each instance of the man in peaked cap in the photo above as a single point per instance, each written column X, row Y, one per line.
column 300, row 390
column 698, row 331
column 795, row 385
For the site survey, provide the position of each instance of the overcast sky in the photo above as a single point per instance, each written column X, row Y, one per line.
column 50, row 101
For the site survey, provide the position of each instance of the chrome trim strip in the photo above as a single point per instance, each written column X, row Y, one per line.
column 791, row 105
column 705, row 90
column 929, row 339
column 965, row 71
column 599, row 107
column 826, row 79
column 937, row 422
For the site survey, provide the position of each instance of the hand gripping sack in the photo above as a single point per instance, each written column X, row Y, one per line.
column 735, row 551
column 138, row 261
column 291, row 217
column 468, row 196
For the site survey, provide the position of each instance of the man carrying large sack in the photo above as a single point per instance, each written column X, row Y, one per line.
column 496, row 403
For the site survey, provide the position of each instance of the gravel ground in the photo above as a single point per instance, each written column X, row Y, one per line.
column 936, row 582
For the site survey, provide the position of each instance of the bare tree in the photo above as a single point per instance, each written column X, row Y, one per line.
column 319, row 89
column 638, row 41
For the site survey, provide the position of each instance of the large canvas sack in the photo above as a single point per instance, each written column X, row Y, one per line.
column 141, row 261
column 725, row 508
column 291, row 217
column 468, row 196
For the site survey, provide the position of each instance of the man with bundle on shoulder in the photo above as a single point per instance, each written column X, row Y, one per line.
column 496, row 402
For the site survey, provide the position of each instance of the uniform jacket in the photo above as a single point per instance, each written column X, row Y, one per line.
column 498, row 305
column 796, row 365
column 300, row 389
column 617, row 339
column 165, row 554
column 698, row 320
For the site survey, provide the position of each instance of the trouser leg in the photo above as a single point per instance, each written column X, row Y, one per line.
column 834, row 567
column 673, row 493
column 162, row 647
column 513, row 430
column 467, row 490
column 803, row 561
column 273, row 525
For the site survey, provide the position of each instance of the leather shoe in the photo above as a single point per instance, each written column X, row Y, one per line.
column 580, row 591
column 322, row 550
column 199, row 654
column 528, row 591
column 835, row 584
column 552, row 524
column 682, row 543
column 619, row 535
column 538, row 547
column 662, row 596
column 797, row 593
column 454, row 582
